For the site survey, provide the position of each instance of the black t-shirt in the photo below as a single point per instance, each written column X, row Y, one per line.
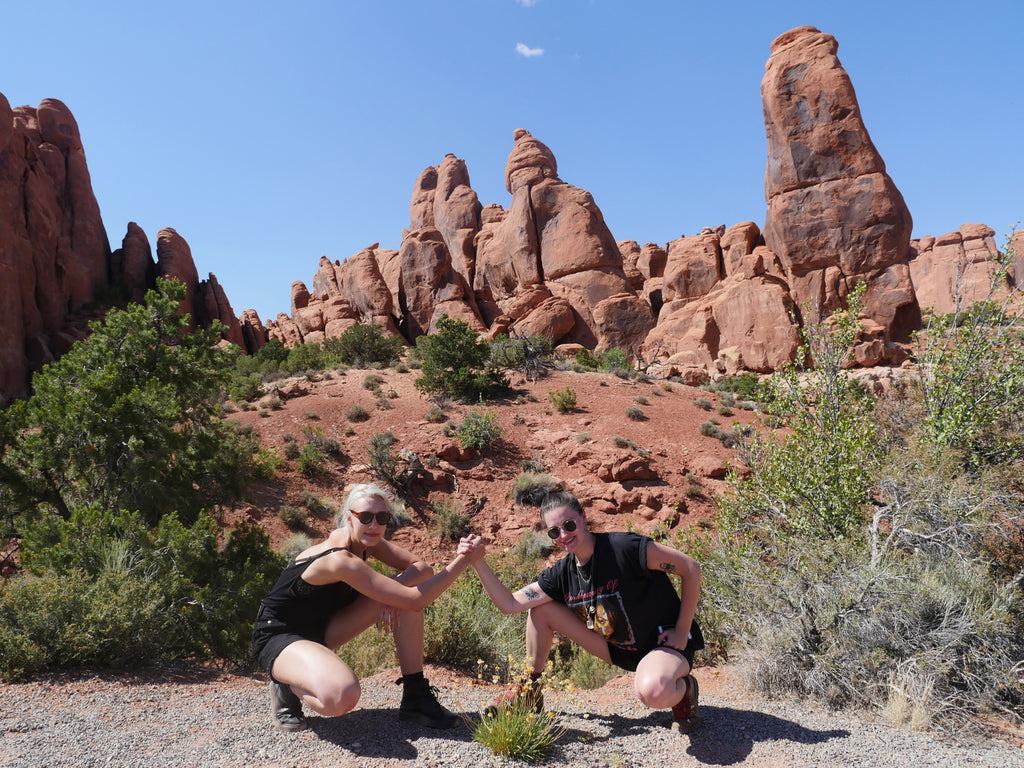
column 625, row 600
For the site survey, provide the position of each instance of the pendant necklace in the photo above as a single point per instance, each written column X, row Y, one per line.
column 591, row 610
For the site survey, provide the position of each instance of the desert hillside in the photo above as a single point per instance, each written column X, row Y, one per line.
column 630, row 474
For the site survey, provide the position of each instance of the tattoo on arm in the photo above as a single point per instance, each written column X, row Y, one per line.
column 531, row 593
column 668, row 567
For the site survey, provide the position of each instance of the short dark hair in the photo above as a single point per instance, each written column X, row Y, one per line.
column 560, row 499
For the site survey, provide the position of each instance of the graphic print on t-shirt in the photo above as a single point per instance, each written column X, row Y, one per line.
column 607, row 613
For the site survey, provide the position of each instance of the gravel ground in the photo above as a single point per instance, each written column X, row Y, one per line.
column 189, row 717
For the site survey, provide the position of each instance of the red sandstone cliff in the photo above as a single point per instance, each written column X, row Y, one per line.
column 54, row 255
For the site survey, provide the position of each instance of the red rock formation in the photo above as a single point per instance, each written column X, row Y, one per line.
column 133, row 263
column 53, row 248
column 429, row 286
column 957, row 266
column 834, row 215
column 693, row 267
column 254, row 335
column 742, row 324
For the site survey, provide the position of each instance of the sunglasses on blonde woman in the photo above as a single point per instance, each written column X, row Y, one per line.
column 383, row 518
column 568, row 526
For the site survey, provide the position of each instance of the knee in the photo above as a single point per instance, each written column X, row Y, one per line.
column 656, row 690
column 338, row 697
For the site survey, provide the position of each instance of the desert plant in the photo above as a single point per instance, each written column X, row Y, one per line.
column 455, row 362
column 372, row 381
column 357, row 413
column 364, row 344
column 530, row 488
column 971, row 373
column 564, row 400
column 130, row 418
column 479, row 430
column 817, row 479
column 435, row 415
column 311, row 460
column 382, row 459
column 450, row 520
column 293, row 517
column 635, row 414
column 530, row 355
column 107, row 589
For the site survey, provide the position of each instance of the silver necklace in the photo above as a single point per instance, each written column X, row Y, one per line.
column 590, row 610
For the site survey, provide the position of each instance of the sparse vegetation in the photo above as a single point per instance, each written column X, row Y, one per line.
column 530, row 355
column 531, row 487
column 563, row 400
column 455, row 362
column 480, row 430
column 450, row 521
column 635, row 414
column 357, row 413
column 364, row 344
column 293, row 517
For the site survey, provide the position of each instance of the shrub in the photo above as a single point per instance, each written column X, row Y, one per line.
column 357, row 413
column 311, row 460
column 530, row 488
column 635, row 414
column 703, row 403
column 564, row 400
column 723, row 410
column 316, row 504
column 129, row 418
column 621, row 442
column 293, row 517
column 372, row 381
column 531, row 355
column 364, row 344
column 450, row 521
column 435, row 415
column 107, row 589
column 516, row 732
column 479, row 431
column 817, row 479
column 295, row 544
column 971, row 375
column 245, row 388
column 382, row 459
column 746, row 386
column 455, row 363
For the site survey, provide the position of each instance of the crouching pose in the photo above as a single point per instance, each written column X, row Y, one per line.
column 612, row 596
column 328, row 595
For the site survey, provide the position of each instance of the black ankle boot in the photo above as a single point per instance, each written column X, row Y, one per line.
column 286, row 708
column 420, row 705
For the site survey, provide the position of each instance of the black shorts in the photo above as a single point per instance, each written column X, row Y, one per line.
column 271, row 635
column 630, row 659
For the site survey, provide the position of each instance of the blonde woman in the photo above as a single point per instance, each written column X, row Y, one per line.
column 328, row 595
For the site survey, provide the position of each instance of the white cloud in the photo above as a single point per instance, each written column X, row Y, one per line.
column 524, row 50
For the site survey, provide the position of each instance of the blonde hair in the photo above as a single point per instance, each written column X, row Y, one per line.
column 362, row 491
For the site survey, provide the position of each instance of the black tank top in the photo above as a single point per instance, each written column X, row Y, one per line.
column 303, row 607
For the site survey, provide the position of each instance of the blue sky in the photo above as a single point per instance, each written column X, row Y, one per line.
column 269, row 134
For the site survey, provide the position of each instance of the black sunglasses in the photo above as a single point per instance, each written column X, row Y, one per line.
column 568, row 526
column 383, row 518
